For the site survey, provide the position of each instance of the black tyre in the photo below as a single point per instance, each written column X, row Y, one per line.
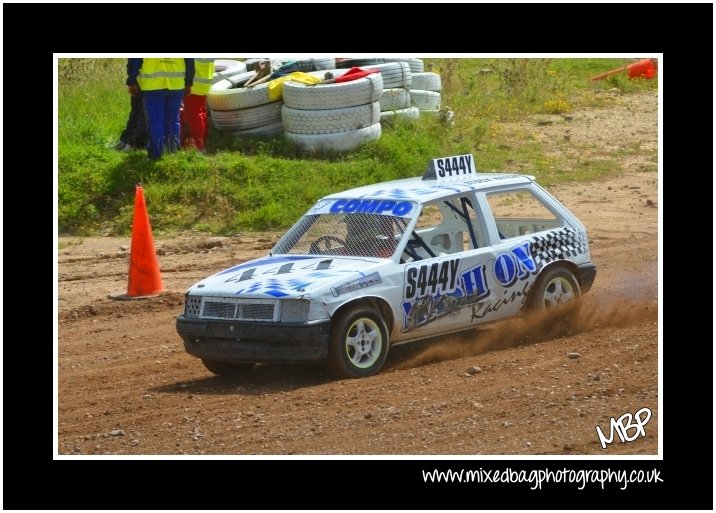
column 555, row 287
column 226, row 368
column 359, row 343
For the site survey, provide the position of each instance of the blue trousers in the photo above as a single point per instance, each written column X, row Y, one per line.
column 161, row 109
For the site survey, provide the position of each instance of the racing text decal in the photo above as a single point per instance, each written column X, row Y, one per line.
column 518, row 263
column 357, row 284
column 431, row 278
column 433, row 289
column 364, row 206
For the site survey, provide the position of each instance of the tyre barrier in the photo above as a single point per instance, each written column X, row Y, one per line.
column 228, row 95
column 245, row 119
column 263, row 132
column 395, row 74
column 333, row 96
column 426, row 82
column 335, row 142
column 329, row 121
column 416, row 65
column 410, row 113
column 394, row 99
column 224, row 65
column 308, row 65
column 229, row 74
column 425, row 100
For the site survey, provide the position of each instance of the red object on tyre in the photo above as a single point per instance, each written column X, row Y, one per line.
column 355, row 74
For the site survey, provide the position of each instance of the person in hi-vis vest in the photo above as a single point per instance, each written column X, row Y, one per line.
column 194, row 122
column 163, row 83
column 134, row 135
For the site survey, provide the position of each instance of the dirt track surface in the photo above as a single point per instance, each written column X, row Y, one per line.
column 127, row 387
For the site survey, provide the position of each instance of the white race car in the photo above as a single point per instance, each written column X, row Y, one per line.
column 390, row 263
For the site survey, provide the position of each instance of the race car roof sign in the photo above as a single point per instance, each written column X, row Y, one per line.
column 454, row 168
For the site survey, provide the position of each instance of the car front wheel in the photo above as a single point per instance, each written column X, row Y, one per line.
column 359, row 343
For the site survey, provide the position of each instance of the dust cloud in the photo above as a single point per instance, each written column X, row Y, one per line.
column 590, row 313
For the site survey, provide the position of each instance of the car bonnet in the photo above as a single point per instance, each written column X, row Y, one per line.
column 286, row 276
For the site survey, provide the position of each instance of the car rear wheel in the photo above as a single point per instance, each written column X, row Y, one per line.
column 359, row 343
column 226, row 368
column 555, row 287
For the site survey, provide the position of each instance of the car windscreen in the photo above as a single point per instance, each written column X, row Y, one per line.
column 344, row 234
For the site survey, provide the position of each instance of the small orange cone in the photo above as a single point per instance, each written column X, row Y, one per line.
column 144, row 277
column 644, row 68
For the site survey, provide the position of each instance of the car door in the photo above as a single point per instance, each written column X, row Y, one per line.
column 515, row 218
column 445, row 269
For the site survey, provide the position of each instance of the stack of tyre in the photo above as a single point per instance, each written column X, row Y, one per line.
column 425, row 91
column 244, row 111
column 329, row 118
column 413, row 90
column 395, row 102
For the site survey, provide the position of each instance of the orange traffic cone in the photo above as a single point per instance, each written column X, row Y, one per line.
column 644, row 68
column 144, row 277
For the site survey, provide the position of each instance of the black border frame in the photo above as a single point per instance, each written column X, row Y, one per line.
column 33, row 480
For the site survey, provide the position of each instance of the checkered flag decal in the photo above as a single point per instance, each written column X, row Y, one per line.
column 557, row 245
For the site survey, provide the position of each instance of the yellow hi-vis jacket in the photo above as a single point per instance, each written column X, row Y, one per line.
column 162, row 73
column 203, row 76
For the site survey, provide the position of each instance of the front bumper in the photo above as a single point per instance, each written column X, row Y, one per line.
column 585, row 276
column 241, row 341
